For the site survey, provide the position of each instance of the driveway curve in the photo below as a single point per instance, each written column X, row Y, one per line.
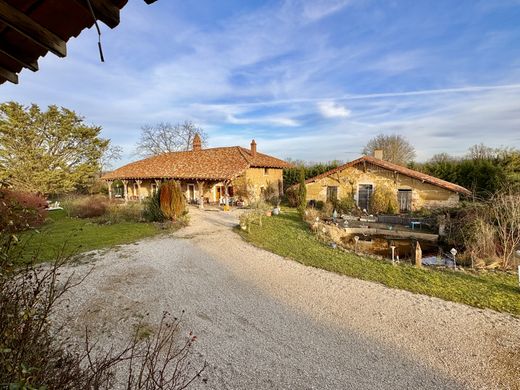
column 265, row 322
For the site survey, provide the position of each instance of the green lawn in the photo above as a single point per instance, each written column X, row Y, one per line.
column 73, row 235
column 288, row 236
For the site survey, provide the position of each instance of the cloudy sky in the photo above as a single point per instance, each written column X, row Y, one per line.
column 310, row 80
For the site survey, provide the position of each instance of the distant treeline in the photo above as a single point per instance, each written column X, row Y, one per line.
column 483, row 170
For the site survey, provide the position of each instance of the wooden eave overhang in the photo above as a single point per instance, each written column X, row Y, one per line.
column 29, row 29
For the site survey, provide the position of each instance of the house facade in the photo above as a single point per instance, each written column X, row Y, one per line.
column 359, row 178
column 206, row 175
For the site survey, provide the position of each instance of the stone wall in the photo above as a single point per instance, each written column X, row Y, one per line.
column 258, row 178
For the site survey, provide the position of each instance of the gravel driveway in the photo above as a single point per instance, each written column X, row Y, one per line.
column 264, row 322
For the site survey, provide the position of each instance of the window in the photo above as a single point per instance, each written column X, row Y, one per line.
column 266, row 171
column 404, row 198
column 332, row 194
column 364, row 195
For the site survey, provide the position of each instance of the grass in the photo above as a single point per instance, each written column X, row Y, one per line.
column 288, row 236
column 62, row 234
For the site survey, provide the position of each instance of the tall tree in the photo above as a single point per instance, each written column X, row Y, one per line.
column 50, row 151
column 396, row 148
column 165, row 137
column 302, row 193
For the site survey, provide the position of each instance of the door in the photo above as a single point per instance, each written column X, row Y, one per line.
column 219, row 192
column 191, row 193
column 404, row 198
column 364, row 194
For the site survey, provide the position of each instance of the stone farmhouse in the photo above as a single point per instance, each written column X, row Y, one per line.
column 359, row 178
column 206, row 175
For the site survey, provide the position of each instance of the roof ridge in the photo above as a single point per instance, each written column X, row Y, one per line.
column 241, row 150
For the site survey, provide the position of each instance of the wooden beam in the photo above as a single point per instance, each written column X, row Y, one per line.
column 104, row 10
column 22, row 23
column 8, row 75
column 32, row 65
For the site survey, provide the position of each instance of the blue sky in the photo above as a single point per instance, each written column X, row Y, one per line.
column 310, row 80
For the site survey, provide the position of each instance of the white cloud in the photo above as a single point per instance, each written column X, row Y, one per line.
column 331, row 109
column 317, row 9
column 263, row 120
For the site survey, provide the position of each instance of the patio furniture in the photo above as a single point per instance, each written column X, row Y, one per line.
column 413, row 224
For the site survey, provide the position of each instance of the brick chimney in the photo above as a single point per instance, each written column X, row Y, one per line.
column 378, row 153
column 197, row 142
column 253, row 148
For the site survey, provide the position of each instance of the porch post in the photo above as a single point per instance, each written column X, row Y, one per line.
column 138, row 182
column 109, row 182
column 200, row 188
column 125, row 190
column 226, row 193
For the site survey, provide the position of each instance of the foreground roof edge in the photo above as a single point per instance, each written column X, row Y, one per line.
column 32, row 29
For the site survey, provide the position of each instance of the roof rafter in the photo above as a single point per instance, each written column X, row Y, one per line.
column 10, row 52
column 32, row 30
column 8, row 75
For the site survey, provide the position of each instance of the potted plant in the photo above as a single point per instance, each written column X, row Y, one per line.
column 277, row 210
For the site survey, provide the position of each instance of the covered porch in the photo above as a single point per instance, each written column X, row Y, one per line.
column 196, row 191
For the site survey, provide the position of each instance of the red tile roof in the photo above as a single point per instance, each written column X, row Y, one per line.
column 396, row 168
column 210, row 164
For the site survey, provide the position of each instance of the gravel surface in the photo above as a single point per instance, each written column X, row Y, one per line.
column 264, row 322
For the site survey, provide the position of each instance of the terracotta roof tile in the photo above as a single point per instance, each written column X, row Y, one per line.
column 396, row 168
column 211, row 164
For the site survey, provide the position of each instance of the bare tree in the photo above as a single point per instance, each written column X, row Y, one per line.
column 481, row 152
column 396, row 149
column 441, row 158
column 165, row 137
column 112, row 153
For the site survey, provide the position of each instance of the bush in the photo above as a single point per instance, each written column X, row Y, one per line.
column 260, row 205
column 124, row 212
column 291, row 195
column 85, row 206
column 383, row 200
column 20, row 211
column 274, row 201
column 328, row 209
column 311, row 215
column 173, row 203
column 250, row 218
column 489, row 231
column 345, row 205
column 152, row 208
column 319, row 205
